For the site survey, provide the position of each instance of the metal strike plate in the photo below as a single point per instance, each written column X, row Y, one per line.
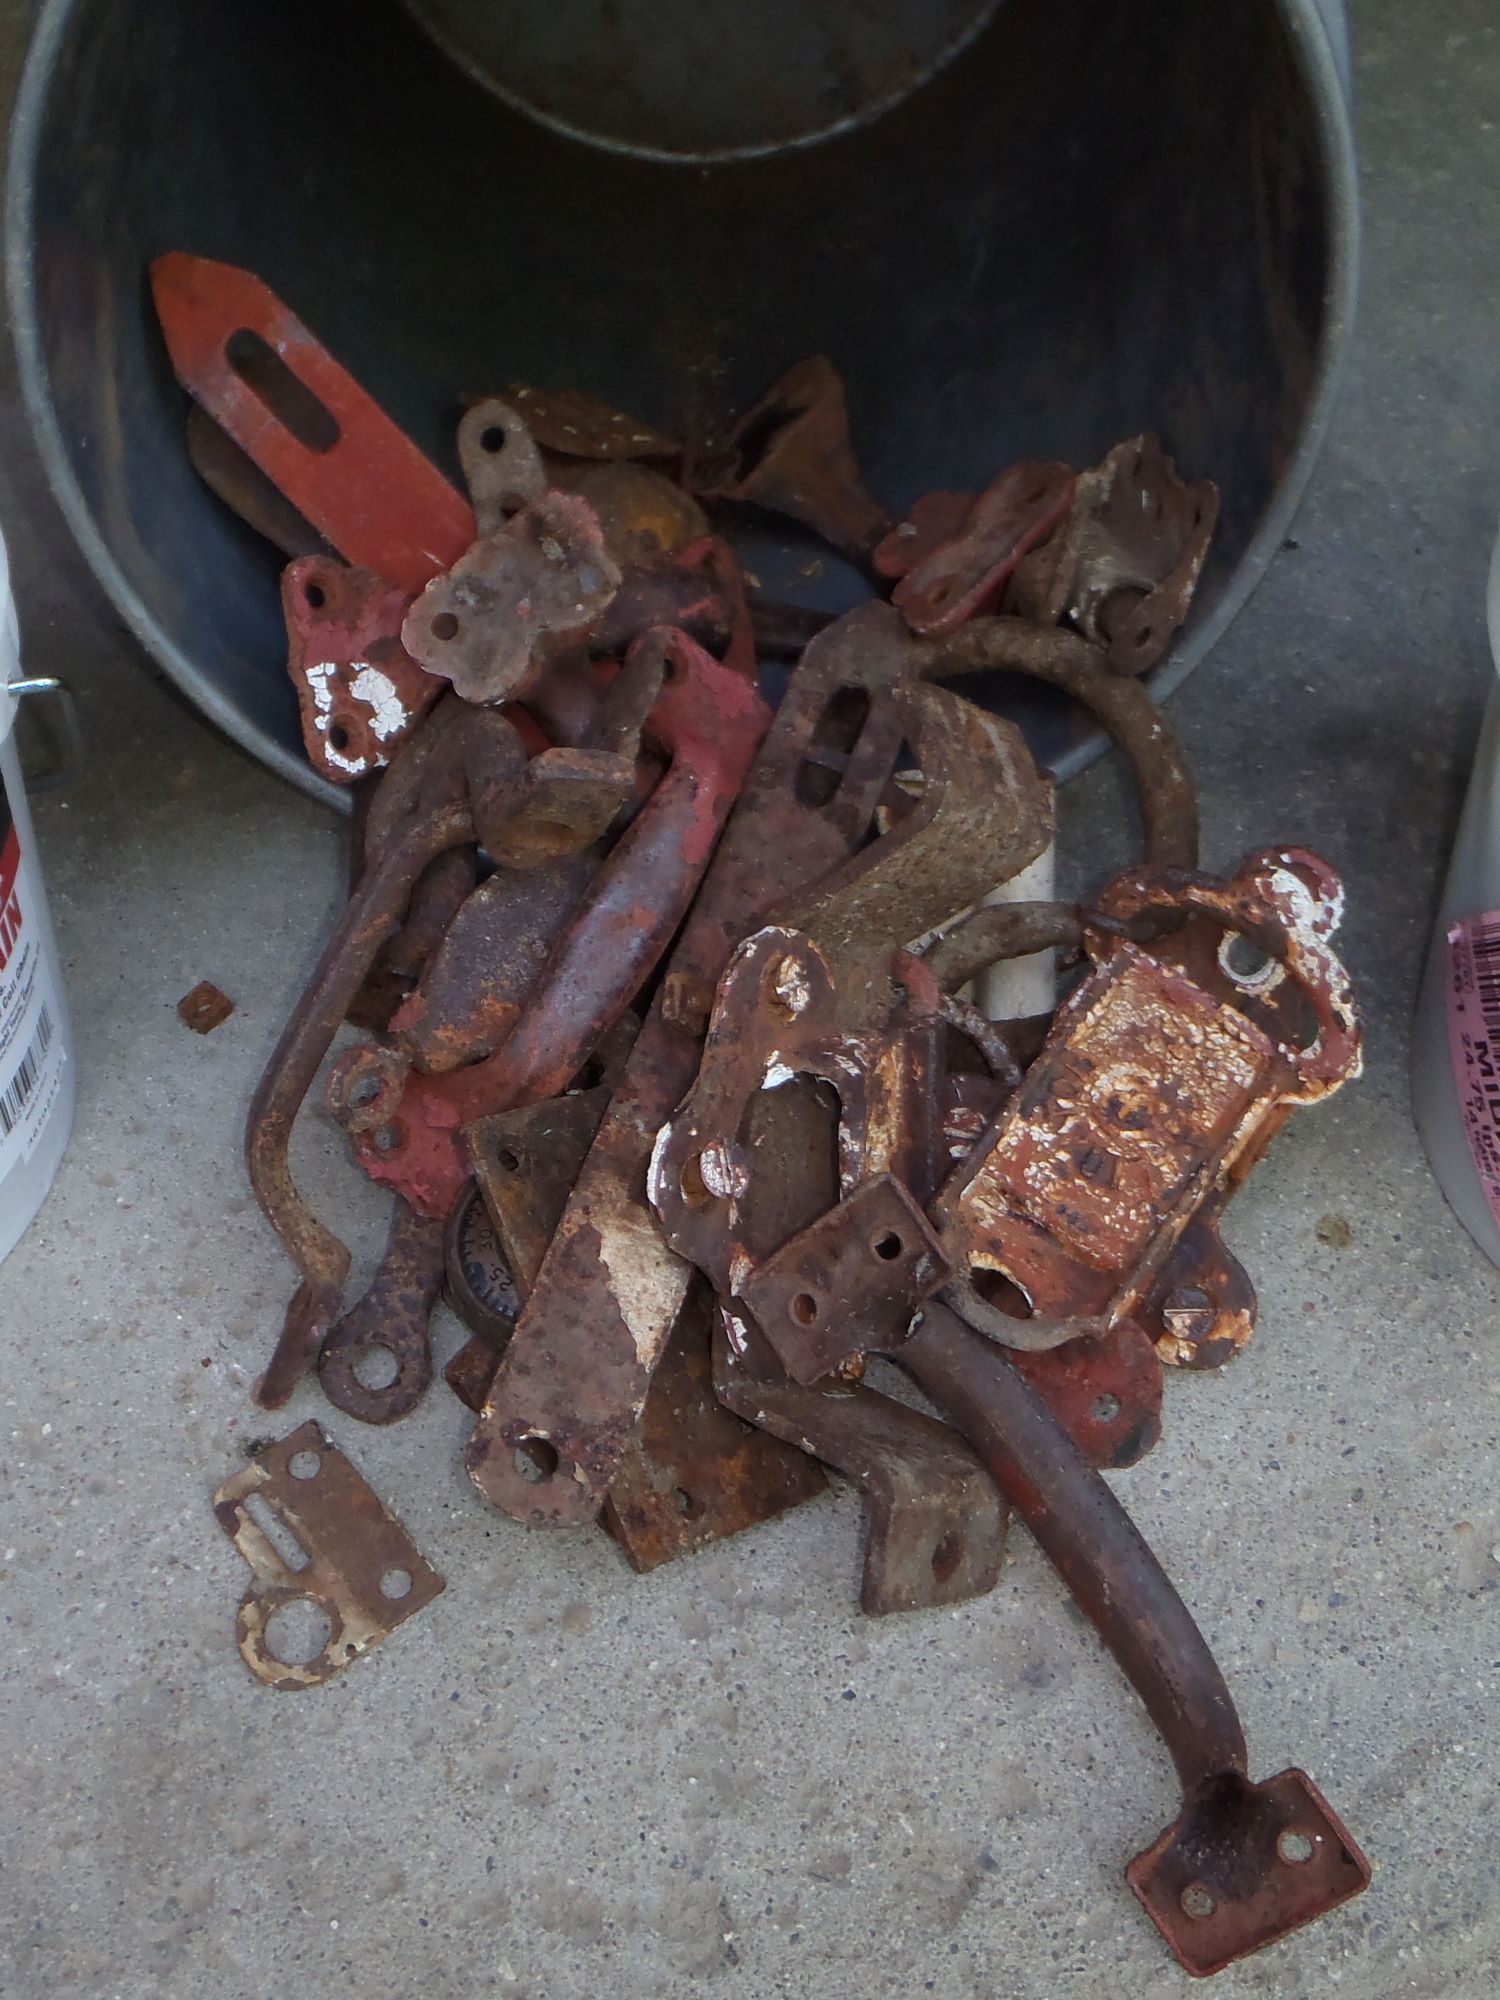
column 849, row 1282
column 1245, row 1866
column 1156, row 1092
column 360, row 1568
column 1120, row 1125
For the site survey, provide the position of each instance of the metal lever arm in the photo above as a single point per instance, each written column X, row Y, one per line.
column 1243, row 1863
column 1088, row 1538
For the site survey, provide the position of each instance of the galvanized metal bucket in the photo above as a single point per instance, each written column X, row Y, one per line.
column 1016, row 226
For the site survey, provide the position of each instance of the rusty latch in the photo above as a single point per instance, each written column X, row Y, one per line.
column 1153, row 1086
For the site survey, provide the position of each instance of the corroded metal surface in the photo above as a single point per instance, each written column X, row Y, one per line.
column 376, row 1361
column 571, row 799
column 848, row 1282
column 959, row 577
column 931, row 521
column 1105, row 1389
column 1123, row 567
column 1000, row 931
column 811, row 1114
column 611, row 1290
column 502, row 467
column 1150, row 1094
column 360, row 693
column 1201, row 1309
column 934, row 1522
column 792, row 454
column 645, row 518
column 983, row 813
column 480, row 1287
column 440, row 893
column 703, row 1193
column 1169, row 805
column 471, row 994
column 465, row 773
column 1142, row 1082
column 1243, row 1864
column 935, row 1526
column 205, row 1008
column 693, row 1472
column 709, row 722
column 487, row 622
column 525, row 1163
column 361, row 1568
column 577, row 425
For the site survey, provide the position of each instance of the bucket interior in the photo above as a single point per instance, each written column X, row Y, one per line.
column 1025, row 228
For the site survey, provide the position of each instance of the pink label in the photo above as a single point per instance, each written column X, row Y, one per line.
column 1474, row 1041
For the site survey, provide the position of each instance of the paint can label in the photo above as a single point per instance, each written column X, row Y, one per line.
column 32, row 1052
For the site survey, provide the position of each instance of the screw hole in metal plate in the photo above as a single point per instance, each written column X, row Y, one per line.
column 536, row 1458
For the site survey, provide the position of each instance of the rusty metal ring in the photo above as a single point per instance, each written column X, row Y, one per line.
column 1030, row 1336
column 1169, row 804
column 986, row 1037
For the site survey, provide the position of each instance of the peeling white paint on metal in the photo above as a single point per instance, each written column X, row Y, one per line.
column 791, row 985
column 318, row 677
column 647, row 1280
column 656, row 1172
column 388, row 713
column 724, row 1172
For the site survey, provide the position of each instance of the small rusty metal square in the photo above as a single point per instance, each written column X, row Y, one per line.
column 205, row 1008
column 849, row 1282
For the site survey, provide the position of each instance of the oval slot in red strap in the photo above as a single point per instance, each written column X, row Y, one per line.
column 309, row 426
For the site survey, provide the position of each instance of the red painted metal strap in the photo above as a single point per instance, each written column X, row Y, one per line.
column 307, row 423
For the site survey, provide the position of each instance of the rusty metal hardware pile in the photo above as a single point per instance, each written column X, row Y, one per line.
column 665, row 1047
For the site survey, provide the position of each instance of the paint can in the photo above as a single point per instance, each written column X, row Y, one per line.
column 37, row 1067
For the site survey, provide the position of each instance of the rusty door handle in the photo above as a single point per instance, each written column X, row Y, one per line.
column 372, row 914
column 1243, row 1864
column 471, row 763
column 709, row 721
column 1087, row 1535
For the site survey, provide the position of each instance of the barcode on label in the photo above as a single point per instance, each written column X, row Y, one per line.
column 1484, row 942
column 19, row 1092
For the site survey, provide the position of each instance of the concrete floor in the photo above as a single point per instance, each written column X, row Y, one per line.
column 563, row 1780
